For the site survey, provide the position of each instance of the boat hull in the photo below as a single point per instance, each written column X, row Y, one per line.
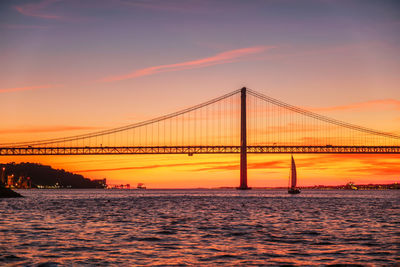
column 294, row 191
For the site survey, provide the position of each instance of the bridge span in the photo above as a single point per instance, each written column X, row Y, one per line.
column 191, row 150
column 243, row 121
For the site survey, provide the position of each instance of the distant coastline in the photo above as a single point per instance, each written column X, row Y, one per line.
column 332, row 187
column 33, row 175
column 393, row 186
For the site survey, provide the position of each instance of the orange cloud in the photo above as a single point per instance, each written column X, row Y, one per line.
column 215, row 166
column 362, row 164
column 221, row 58
column 35, row 9
column 250, row 166
column 382, row 168
column 154, row 166
column 384, row 103
column 45, row 129
column 26, row 88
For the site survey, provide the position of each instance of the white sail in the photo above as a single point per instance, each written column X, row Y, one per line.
column 293, row 174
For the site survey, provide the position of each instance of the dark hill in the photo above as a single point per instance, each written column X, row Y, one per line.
column 42, row 175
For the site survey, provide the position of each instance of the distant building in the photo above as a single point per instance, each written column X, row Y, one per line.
column 23, row 183
column 2, row 179
column 101, row 182
column 10, row 180
column 351, row 185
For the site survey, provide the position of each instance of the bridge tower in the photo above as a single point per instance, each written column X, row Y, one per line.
column 243, row 142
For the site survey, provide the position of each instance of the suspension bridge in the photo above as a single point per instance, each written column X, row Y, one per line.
column 243, row 121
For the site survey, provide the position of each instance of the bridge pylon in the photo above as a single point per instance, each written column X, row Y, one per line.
column 243, row 142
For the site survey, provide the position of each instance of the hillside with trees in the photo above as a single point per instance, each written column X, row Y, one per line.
column 42, row 176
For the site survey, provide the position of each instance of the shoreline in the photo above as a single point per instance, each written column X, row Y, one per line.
column 8, row 193
column 223, row 188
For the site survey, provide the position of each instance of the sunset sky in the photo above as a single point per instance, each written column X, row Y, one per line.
column 70, row 67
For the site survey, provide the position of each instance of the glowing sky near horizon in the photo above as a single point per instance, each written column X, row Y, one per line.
column 72, row 67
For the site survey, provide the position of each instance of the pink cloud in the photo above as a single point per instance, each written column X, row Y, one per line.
column 20, row 26
column 36, row 9
column 160, row 5
column 26, row 88
column 220, row 58
column 383, row 103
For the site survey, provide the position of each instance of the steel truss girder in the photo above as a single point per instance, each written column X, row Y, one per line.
column 190, row 150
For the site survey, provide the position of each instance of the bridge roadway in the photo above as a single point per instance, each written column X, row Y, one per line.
column 190, row 150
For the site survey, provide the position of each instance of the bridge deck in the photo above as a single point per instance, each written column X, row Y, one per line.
column 190, row 150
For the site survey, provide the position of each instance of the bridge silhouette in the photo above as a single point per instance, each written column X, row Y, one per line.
column 243, row 121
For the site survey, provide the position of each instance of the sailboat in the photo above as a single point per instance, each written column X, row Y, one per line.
column 293, row 179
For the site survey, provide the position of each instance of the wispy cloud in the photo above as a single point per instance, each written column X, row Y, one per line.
column 383, row 103
column 183, row 6
column 153, row 166
column 37, row 9
column 220, row 58
column 366, row 164
column 26, row 88
column 42, row 129
column 251, row 166
column 361, row 166
column 25, row 27
column 382, row 168
column 204, row 166
column 133, row 168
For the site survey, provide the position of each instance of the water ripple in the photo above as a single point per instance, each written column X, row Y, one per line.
column 198, row 227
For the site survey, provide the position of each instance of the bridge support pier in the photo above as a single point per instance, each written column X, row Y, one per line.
column 243, row 142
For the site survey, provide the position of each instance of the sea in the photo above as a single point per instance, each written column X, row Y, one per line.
column 57, row 227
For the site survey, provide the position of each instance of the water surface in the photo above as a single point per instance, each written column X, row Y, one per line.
column 200, row 227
